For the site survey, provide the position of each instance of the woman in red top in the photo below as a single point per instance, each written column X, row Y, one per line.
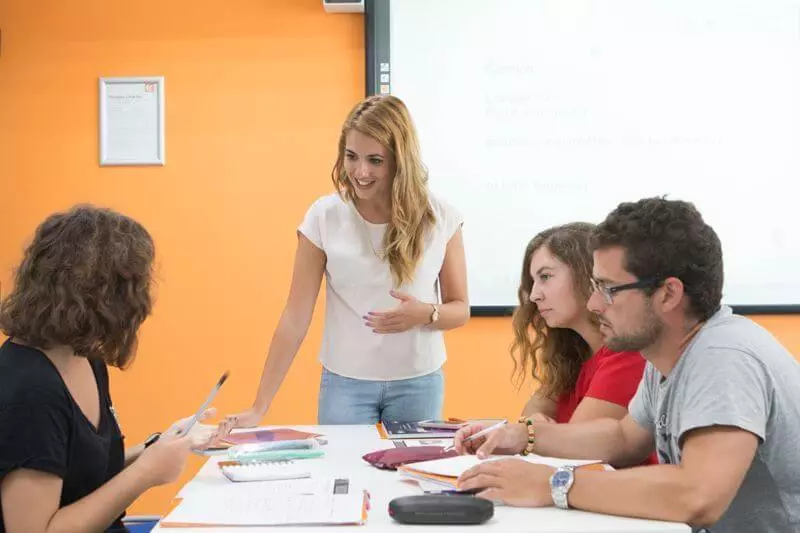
column 557, row 339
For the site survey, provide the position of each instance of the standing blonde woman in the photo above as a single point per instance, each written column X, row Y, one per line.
column 393, row 260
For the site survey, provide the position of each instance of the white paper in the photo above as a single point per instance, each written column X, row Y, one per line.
column 428, row 442
column 265, row 489
column 265, row 471
column 304, row 501
column 455, row 466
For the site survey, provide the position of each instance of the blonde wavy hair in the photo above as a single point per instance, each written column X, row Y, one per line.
column 387, row 120
column 554, row 355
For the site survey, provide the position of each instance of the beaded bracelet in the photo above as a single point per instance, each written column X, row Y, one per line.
column 531, row 435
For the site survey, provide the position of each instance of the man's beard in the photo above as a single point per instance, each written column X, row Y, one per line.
column 646, row 336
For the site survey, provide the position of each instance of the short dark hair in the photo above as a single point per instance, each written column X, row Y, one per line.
column 84, row 282
column 668, row 238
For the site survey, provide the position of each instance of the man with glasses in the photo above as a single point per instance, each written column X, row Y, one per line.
column 719, row 399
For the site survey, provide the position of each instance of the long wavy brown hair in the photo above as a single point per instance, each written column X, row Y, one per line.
column 387, row 120
column 84, row 282
column 552, row 355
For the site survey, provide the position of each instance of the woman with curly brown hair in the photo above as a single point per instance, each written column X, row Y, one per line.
column 81, row 292
column 558, row 339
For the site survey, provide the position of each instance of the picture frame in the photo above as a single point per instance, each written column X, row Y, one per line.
column 132, row 121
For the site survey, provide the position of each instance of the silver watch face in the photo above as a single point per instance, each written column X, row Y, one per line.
column 561, row 479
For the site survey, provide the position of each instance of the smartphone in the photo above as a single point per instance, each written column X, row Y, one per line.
column 205, row 405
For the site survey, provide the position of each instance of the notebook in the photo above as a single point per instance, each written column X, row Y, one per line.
column 411, row 430
column 268, row 435
column 409, row 443
column 426, row 429
column 262, row 471
column 453, row 424
column 299, row 502
column 445, row 472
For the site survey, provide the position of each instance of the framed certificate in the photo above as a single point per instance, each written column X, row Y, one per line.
column 132, row 121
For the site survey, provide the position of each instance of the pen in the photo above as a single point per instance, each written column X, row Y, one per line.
column 203, row 407
column 481, row 433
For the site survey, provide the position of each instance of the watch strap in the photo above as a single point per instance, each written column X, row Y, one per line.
column 152, row 439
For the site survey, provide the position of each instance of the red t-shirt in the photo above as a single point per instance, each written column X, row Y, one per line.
column 610, row 376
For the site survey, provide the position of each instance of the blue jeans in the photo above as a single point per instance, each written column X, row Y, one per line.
column 359, row 401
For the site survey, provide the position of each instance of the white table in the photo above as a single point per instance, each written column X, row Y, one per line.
column 346, row 445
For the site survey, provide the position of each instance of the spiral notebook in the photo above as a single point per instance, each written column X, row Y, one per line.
column 262, row 471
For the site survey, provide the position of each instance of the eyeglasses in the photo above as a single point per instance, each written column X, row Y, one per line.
column 608, row 292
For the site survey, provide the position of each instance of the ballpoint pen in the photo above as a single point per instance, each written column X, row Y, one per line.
column 481, row 433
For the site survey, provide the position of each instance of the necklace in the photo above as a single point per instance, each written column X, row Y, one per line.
column 380, row 255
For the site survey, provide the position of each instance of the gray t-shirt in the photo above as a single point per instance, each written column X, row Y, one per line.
column 734, row 373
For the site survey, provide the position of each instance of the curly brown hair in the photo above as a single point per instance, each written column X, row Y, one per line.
column 555, row 355
column 84, row 282
column 668, row 238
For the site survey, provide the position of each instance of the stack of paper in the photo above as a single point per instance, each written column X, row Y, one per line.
column 275, row 503
column 257, row 436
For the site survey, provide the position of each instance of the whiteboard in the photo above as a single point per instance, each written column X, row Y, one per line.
column 533, row 113
column 132, row 121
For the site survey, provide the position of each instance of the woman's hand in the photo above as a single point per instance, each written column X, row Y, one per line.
column 246, row 419
column 201, row 435
column 410, row 313
column 164, row 461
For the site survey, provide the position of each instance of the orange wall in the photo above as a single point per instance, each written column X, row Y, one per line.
column 255, row 93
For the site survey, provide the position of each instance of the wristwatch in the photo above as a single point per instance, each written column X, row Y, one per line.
column 149, row 441
column 560, row 483
column 434, row 314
